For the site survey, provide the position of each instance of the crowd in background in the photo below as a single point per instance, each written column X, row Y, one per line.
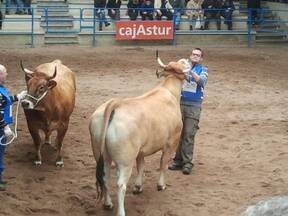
column 199, row 12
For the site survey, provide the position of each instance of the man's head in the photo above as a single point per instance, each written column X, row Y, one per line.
column 148, row 2
column 196, row 56
column 3, row 74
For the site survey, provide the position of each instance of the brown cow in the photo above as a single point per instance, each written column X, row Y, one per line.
column 125, row 130
column 49, row 104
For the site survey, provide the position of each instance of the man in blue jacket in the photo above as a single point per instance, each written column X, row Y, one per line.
column 6, row 102
column 191, row 100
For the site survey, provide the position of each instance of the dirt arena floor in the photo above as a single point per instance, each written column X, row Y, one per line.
column 241, row 152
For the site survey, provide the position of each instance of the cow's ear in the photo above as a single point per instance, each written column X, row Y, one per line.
column 51, row 84
column 28, row 77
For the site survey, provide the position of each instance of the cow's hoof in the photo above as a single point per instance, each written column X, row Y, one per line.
column 161, row 187
column 108, row 206
column 59, row 164
column 37, row 163
column 137, row 189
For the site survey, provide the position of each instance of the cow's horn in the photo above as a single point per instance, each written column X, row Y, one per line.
column 24, row 69
column 159, row 60
column 157, row 74
column 55, row 73
column 186, row 70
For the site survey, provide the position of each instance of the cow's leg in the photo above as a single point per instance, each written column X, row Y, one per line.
column 37, row 142
column 124, row 173
column 163, row 166
column 165, row 158
column 107, row 199
column 139, row 179
column 61, row 131
column 48, row 138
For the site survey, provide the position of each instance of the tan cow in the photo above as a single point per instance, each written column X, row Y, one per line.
column 125, row 130
column 49, row 104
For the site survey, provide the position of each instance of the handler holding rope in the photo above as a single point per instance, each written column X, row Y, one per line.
column 6, row 118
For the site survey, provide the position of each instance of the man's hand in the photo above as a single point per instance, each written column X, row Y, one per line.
column 7, row 131
column 21, row 95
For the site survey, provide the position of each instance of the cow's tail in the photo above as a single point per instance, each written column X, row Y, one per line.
column 111, row 106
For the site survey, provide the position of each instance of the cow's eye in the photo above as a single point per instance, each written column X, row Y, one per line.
column 41, row 88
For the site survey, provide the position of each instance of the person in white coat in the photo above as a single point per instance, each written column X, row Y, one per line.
column 195, row 14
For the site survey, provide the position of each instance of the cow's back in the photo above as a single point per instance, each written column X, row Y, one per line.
column 152, row 118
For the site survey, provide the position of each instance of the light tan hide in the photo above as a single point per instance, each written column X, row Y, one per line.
column 125, row 130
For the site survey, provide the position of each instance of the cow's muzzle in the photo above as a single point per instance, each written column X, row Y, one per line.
column 26, row 104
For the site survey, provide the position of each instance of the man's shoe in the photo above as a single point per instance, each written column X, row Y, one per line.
column 175, row 166
column 107, row 24
column 187, row 169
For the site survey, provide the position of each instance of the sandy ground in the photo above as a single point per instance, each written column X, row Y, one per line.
column 241, row 151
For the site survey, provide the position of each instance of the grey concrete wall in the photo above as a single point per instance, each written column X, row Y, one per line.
column 86, row 39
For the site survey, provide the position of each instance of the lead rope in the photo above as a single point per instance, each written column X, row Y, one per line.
column 14, row 136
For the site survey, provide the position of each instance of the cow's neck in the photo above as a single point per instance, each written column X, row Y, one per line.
column 45, row 105
column 174, row 85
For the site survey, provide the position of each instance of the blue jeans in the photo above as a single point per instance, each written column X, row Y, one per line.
column 2, row 151
column 19, row 5
column 100, row 13
column 177, row 19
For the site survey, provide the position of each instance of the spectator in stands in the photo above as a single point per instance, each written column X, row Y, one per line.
column 228, row 8
column 1, row 16
column 254, row 6
column 133, row 9
column 27, row 7
column 146, row 10
column 178, row 7
column 19, row 6
column 113, row 9
column 99, row 6
column 212, row 11
column 163, row 8
column 1, row 19
column 194, row 13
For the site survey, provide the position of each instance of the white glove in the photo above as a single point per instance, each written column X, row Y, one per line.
column 7, row 131
column 21, row 95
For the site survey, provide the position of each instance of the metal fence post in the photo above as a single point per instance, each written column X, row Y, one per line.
column 94, row 27
column 81, row 17
column 249, row 22
column 174, row 22
column 46, row 18
column 32, row 29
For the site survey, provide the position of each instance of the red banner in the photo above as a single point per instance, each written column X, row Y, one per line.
column 144, row 30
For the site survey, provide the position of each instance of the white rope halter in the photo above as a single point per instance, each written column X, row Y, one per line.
column 14, row 136
column 37, row 99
